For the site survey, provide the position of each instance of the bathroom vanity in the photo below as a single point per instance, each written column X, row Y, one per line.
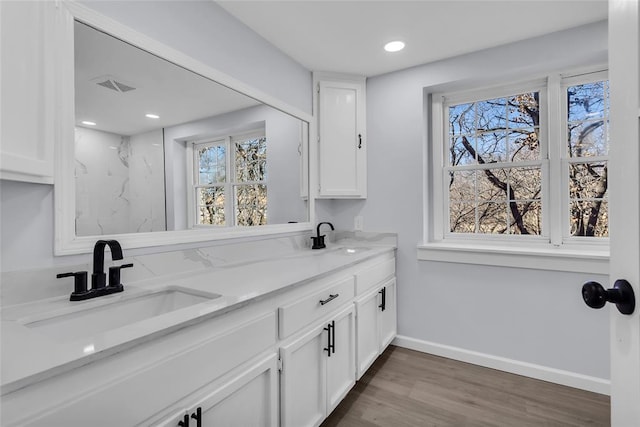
column 273, row 341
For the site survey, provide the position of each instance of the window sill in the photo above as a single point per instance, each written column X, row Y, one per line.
column 533, row 257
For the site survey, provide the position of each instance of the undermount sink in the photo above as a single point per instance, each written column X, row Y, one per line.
column 114, row 314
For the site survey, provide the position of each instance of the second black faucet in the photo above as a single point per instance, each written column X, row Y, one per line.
column 318, row 240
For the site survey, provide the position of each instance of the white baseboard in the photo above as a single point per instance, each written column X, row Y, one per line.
column 557, row 376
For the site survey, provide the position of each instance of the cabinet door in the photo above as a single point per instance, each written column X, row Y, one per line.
column 302, row 383
column 248, row 399
column 388, row 316
column 341, row 375
column 26, row 83
column 367, row 334
column 342, row 145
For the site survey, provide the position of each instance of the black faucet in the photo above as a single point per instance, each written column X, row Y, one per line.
column 318, row 241
column 98, row 277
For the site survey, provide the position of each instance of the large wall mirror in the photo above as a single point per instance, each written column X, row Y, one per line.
column 161, row 153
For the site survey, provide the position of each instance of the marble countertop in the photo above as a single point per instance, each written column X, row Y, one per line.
column 31, row 353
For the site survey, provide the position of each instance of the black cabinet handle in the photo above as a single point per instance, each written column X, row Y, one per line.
column 332, row 325
column 359, row 140
column 185, row 421
column 331, row 298
column 329, row 346
column 383, row 292
column 595, row 296
column 198, row 416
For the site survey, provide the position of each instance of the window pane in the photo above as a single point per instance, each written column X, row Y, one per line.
column 496, row 201
column 491, row 114
column 590, row 218
column 524, row 111
column 588, row 139
column 462, row 185
column 462, row 217
column 461, row 149
column 212, row 164
column 251, row 205
column 526, row 217
column 492, row 147
column 492, row 217
column 251, row 160
column 524, row 145
column 587, row 198
column 525, row 183
column 495, row 130
column 586, row 101
column 588, row 115
column 461, row 119
column 492, row 184
column 211, row 205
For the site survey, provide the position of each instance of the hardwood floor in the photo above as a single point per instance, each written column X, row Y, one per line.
column 409, row 388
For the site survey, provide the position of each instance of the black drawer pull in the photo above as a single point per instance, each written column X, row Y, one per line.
column 383, row 292
column 198, row 416
column 331, row 298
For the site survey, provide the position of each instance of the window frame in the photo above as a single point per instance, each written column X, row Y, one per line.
column 554, row 249
column 230, row 185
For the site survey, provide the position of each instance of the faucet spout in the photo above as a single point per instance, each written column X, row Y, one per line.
column 318, row 228
column 98, row 278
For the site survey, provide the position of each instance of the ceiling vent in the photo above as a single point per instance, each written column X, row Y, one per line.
column 113, row 83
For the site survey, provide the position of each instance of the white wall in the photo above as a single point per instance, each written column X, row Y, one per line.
column 202, row 30
column 529, row 316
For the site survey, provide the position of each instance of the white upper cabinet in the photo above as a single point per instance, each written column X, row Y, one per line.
column 342, row 144
column 26, row 86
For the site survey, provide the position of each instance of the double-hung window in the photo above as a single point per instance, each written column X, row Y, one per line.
column 521, row 165
column 229, row 180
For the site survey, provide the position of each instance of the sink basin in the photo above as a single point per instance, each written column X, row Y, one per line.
column 114, row 314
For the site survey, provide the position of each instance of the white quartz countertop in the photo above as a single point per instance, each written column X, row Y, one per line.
column 35, row 344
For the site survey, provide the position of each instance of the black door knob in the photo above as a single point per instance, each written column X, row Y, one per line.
column 622, row 295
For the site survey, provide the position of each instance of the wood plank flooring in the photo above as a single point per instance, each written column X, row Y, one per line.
column 409, row 388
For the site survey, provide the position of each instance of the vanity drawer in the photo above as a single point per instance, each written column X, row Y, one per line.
column 305, row 310
column 369, row 277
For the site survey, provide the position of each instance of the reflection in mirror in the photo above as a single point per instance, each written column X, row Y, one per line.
column 160, row 148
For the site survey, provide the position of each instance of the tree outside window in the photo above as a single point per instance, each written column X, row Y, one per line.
column 496, row 179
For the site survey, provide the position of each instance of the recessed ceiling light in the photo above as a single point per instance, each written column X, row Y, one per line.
column 152, row 116
column 88, row 123
column 394, row 46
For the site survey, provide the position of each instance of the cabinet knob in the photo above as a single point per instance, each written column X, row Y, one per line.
column 359, row 140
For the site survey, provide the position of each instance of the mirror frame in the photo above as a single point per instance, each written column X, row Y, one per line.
column 66, row 242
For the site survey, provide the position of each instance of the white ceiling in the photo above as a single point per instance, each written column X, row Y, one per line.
column 348, row 36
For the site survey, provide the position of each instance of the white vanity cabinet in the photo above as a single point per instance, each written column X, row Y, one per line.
column 26, row 84
column 286, row 358
column 376, row 312
column 342, row 143
column 318, row 370
column 246, row 397
column 194, row 367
